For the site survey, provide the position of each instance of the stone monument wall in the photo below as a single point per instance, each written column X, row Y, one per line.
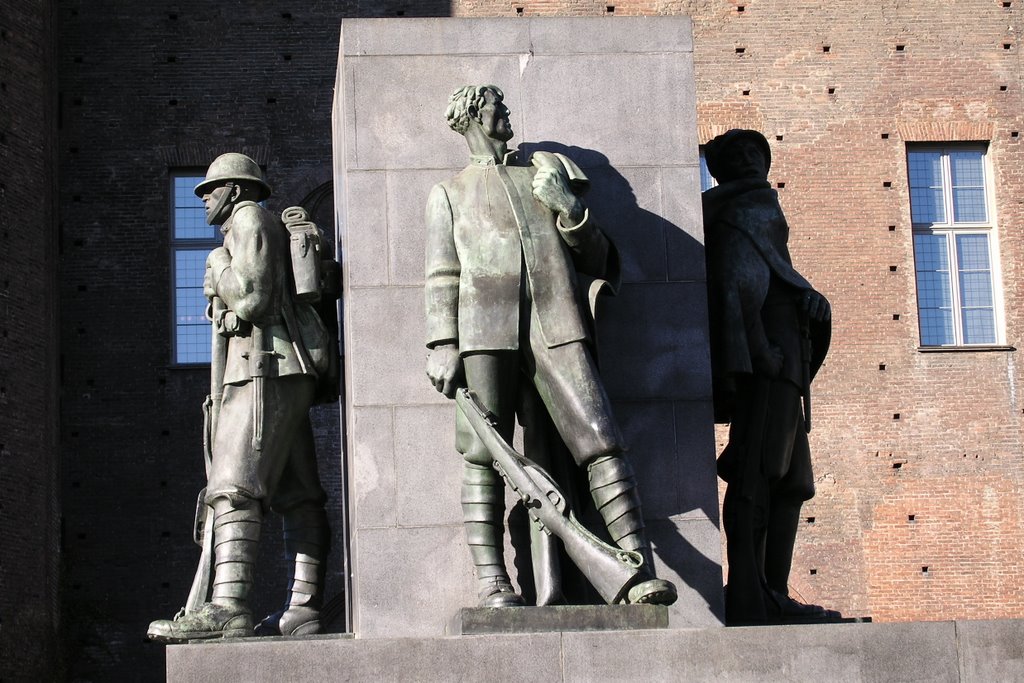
column 617, row 98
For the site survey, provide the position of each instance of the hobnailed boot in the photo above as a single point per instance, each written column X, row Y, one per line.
column 236, row 535
column 306, row 545
column 483, row 507
column 613, row 489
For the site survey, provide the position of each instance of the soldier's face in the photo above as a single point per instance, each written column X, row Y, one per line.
column 494, row 117
column 746, row 160
column 212, row 201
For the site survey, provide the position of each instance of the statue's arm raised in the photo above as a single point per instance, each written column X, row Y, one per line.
column 593, row 254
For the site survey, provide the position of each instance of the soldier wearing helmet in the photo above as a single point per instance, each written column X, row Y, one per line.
column 262, row 444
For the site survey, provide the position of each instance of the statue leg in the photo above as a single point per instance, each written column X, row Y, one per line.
column 306, row 545
column 493, row 377
column 613, row 488
column 299, row 499
column 787, row 498
column 744, row 596
column 744, row 510
column 236, row 532
column 570, row 386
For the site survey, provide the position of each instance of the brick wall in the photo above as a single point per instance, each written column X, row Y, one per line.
column 29, row 523
column 145, row 88
column 899, row 72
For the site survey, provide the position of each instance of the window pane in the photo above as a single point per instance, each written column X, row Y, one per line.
column 979, row 326
column 193, row 330
column 934, row 292
column 925, row 171
column 189, row 212
column 189, row 267
column 968, row 179
column 936, row 327
column 707, row 181
column 972, row 252
column 977, row 308
column 193, row 343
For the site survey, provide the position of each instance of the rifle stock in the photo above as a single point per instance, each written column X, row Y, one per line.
column 612, row 571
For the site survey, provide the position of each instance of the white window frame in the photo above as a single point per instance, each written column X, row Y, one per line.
column 178, row 245
column 950, row 229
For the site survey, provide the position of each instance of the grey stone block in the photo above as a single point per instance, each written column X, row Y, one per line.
column 594, row 35
column 406, row 227
column 372, row 465
column 654, row 342
column 838, row 652
column 486, row 620
column 649, row 429
column 627, row 204
column 385, row 348
column 411, row 572
column 991, row 650
column 410, row 581
column 681, row 209
column 564, row 88
column 688, row 552
column 697, row 476
column 363, row 230
column 443, row 37
column 397, row 109
column 671, row 447
column 428, row 468
column 536, row 657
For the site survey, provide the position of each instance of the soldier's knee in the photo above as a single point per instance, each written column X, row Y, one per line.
column 477, row 455
column 224, row 500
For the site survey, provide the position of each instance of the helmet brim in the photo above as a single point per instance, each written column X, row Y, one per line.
column 208, row 186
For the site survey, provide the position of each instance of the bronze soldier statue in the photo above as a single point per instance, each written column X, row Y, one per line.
column 504, row 312
column 770, row 332
column 276, row 349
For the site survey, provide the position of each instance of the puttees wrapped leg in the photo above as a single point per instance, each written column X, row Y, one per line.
column 306, row 546
column 483, row 506
column 614, row 491
column 236, row 537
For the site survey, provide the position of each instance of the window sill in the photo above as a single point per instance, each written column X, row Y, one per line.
column 188, row 366
column 961, row 349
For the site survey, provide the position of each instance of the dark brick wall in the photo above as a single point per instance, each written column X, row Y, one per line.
column 29, row 522
column 149, row 87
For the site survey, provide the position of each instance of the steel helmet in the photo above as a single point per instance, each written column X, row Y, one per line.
column 233, row 167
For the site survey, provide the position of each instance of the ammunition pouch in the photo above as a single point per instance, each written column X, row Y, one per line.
column 228, row 324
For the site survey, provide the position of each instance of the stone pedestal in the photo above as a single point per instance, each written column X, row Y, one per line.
column 617, row 96
column 470, row 621
column 957, row 652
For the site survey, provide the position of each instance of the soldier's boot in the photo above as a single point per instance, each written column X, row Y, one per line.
column 236, row 536
column 613, row 489
column 483, row 507
column 306, row 545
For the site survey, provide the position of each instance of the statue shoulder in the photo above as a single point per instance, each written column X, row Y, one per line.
column 249, row 218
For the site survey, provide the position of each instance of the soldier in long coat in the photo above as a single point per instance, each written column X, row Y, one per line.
column 770, row 331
